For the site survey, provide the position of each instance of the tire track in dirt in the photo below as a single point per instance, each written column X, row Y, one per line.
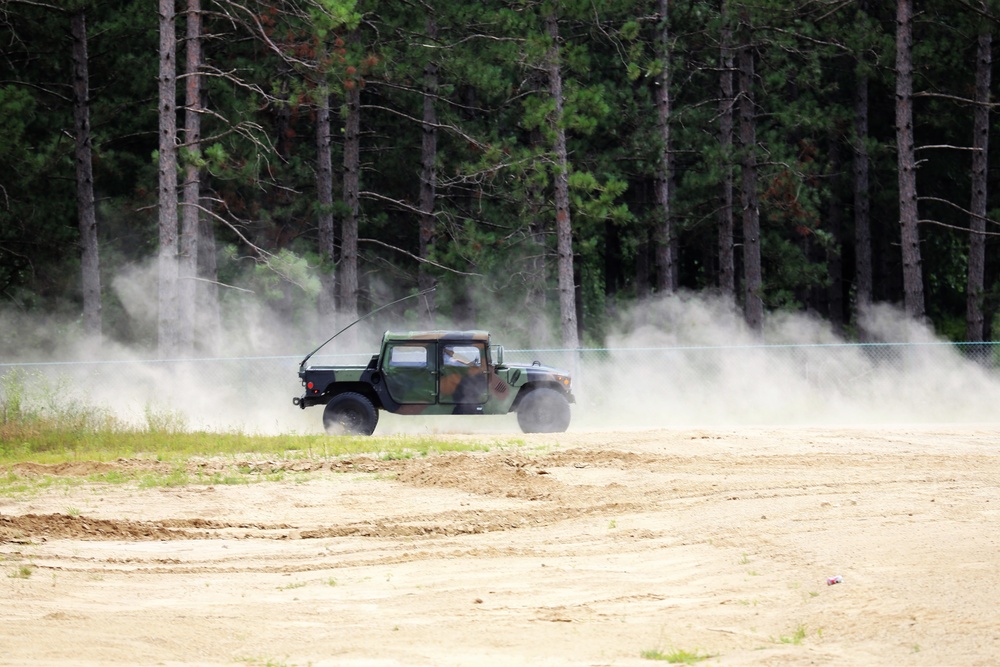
column 531, row 478
column 582, row 548
column 63, row 526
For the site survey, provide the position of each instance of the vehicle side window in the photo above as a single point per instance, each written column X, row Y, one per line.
column 463, row 379
column 408, row 356
column 410, row 375
column 468, row 356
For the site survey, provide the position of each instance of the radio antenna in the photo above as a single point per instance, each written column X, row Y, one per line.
column 363, row 317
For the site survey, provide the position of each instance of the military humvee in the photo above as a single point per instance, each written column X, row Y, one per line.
column 437, row 373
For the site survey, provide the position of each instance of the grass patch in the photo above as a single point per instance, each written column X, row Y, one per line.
column 54, row 443
column 21, row 572
column 13, row 484
column 16, row 485
column 41, row 422
column 675, row 656
column 176, row 477
column 795, row 638
column 47, row 425
column 263, row 662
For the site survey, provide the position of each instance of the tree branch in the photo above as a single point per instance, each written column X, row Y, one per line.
column 956, row 98
column 420, row 259
column 959, row 208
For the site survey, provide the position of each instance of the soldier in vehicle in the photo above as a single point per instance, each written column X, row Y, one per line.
column 463, row 378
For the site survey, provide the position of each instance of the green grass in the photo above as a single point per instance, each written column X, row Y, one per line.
column 16, row 485
column 263, row 662
column 675, row 656
column 176, row 477
column 48, row 426
column 21, row 572
column 795, row 638
column 55, row 443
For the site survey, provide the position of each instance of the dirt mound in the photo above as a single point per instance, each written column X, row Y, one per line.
column 208, row 466
column 509, row 475
column 83, row 468
column 28, row 527
column 580, row 548
column 61, row 526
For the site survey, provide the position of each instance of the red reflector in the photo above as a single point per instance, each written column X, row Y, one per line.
column 310, row 385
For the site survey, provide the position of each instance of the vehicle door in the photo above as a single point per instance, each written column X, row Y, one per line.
column 410, row 373
column 463, row 373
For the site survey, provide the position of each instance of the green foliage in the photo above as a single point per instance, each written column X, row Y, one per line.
column 288, row 267
column 12, row 399
column 21, row 572
column 330, row 15
column 795, row 638
column 494, row 165
column 675, row 656
column 46, row 424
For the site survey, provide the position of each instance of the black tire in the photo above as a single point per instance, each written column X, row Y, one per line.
column 543, row 411
column 350, row 414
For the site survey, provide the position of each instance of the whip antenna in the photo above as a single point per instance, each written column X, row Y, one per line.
column 363, row 317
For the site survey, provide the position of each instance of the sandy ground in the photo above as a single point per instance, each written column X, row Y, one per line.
column 586, row 548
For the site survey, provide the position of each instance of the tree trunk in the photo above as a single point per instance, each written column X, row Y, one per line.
column 89, row 255
column 753, row 303
column 643, row 280
column 167, row 319
column 428, row 173
column 977, row 221
column 209, row 321
column 835, row 268
column 727, row 264
column 564, row 228
column 913, row 286
column 326, row 303
column 862, row 206
column 536, row 297
column 352, row 183
column 190, row 213
column 665, row 268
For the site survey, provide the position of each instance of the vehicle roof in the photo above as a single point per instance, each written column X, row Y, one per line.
column 439, row 334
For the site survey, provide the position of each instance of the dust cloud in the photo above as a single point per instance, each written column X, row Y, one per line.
column 680, row 361
column 691, row 361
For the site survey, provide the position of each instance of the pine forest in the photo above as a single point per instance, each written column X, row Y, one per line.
column 169, row 167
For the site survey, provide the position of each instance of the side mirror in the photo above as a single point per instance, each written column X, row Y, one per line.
column 496, row 351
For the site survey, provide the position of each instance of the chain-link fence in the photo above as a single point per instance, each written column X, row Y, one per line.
column 615, row 388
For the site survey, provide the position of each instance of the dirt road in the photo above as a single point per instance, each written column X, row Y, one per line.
column 578, row 549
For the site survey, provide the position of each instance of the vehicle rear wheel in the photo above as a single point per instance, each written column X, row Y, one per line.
column 543, row 411
column 350, row 414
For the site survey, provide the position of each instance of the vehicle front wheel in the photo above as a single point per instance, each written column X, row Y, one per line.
column 543, row 411
column 350, row 414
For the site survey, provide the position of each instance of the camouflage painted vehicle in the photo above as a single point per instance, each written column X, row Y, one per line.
column 437, row 373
